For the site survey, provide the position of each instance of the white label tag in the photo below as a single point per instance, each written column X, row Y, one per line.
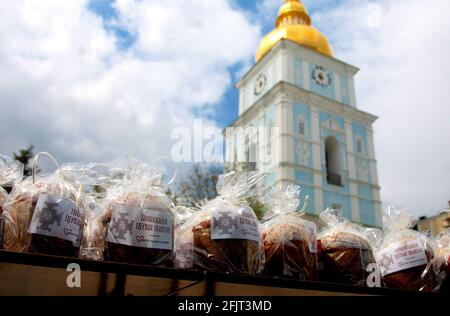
column 401, row 256
column 312, row 236
column 234, row 224
column 57, row 218
column 136, row 227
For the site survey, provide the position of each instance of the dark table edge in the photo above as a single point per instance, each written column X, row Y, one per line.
column 99, row 266
column 196, row 275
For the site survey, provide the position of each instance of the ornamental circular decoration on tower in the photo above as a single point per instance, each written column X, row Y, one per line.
column 321, row 76
column 260, row 85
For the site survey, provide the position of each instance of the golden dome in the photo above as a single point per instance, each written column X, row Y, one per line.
column 293, row 23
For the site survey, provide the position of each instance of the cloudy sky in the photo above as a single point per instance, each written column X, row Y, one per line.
column 91, row 80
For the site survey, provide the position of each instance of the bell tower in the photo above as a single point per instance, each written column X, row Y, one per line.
column 322, row 141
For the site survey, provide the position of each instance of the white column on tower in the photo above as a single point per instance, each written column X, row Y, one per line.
column 356, row 216
column 284, row 106
column 374, row 176
column 317, row 159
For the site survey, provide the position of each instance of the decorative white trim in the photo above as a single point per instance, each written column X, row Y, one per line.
column 363, row 171
column 303, row 131
column 332, row 125
column 351, row 90
column 306, row 76
column 315, row 137
column 337, row 87
column 378, row 214
column 301, row 149
column 315, row 101
column 356, row 215
column 359, row 150
column 318, row 200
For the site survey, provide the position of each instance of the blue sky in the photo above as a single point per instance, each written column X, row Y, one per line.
column 227, row 110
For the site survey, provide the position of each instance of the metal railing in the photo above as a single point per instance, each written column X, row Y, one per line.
column 334, row 179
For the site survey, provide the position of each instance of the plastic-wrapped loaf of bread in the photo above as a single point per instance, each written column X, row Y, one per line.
column 96, row 178
column 139, row 219
column 290, row 242
column 3, row 198
column 443, row 243
column 226, row 231
column 183, row 257
column 345, row 252
column 93, row 242
column 45, row 215
column 443, row 253
column 406, row 257
column 11, row 171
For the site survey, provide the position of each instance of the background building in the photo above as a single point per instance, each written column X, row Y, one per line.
column 435, row 225
column 324, row 143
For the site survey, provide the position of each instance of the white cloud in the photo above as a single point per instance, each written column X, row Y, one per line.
column 66, row 87
column 402, row 48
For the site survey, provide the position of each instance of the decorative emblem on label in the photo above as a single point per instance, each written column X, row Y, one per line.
column 225, row 222
column 121, row 226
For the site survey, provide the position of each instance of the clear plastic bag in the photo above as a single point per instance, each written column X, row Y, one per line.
column 226, row 231
column 290, row 242
column 443, row 243
column 139, row 219
column 405, row 256
column 45, row 215
column 97, row 179
column 183, row 257
column 443, row 253
column 11, row 171
column 3, row 198
column 93, row 242
column 345, row 252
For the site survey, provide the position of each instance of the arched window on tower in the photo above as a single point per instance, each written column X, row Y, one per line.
column 359, row 146
column 333, row 161
column 301, row 126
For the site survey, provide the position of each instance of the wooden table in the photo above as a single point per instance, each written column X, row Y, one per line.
column 30, row 274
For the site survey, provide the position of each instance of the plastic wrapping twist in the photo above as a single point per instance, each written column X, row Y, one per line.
column 45, row 214
column 345, row 251
column 406, row 257
column 290, row 242
column 226, row 231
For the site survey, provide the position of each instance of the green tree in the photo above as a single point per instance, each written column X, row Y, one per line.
column 258, row 206
column 198, row 187
column 25, row 156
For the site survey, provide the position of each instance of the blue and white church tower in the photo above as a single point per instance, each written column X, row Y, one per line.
column 325, row 143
